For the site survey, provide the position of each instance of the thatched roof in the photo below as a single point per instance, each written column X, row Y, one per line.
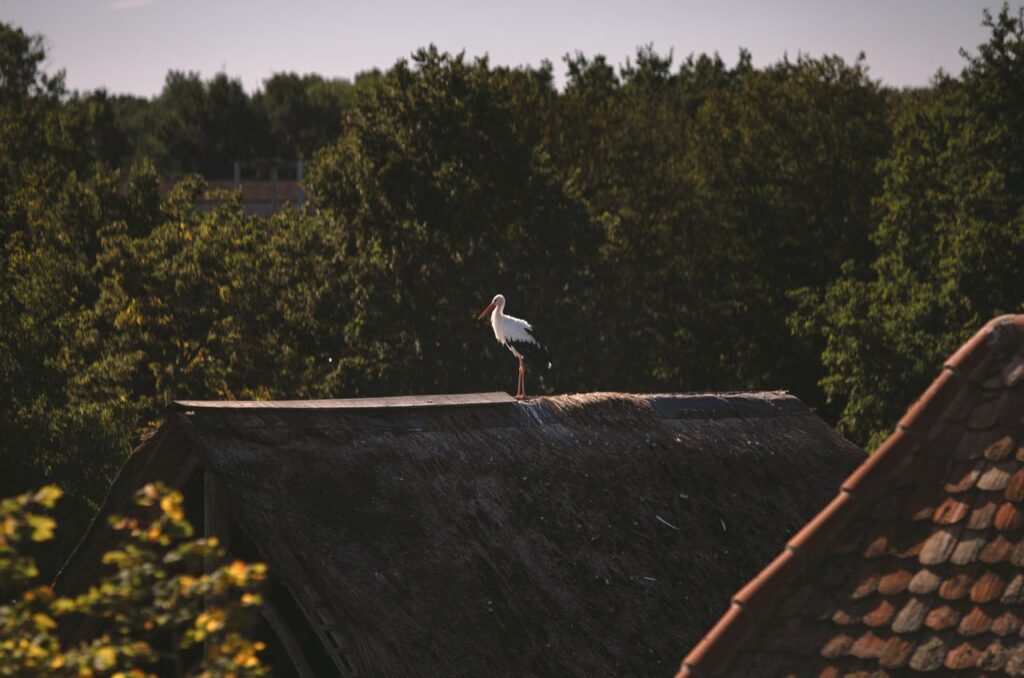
column 575, row 535
column 914, row 568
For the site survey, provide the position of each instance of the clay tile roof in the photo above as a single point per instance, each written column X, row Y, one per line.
column 914, row 566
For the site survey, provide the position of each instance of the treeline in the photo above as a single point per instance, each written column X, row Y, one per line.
column 204, row 126
column 668, row 227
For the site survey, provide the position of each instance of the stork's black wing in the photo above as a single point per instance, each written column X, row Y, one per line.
column 533, row 350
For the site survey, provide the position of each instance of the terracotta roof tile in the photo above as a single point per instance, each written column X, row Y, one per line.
column 942, row 618
column 837, row 646
column 974, row 622
column 918, row 564
column 957, row 585
column 1015, row 488
column 963, row 475
column 1009, row 517
column 851, row 613
column 1013, row 594
column 983, row 511
column 910, row 616
column 868, row 646
column 896, row 653
column 994, row 657
column 880, row 614
column 895, row 581
column 1015, row 661
column 865, row 585
column 939, row 547
column 877, row 544
column 925, row 581
column 1006, row 624
column 952, row 510
column 921, row 504
column 1013, row 372
column 1001, row 449
column 988, row 588
column 929, row 654
column 968, row 548
column 1017, row 554
column 997, row 476
column 907, row 539
column 963, row 656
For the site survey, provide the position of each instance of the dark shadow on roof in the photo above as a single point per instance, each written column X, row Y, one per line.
column 574, row 535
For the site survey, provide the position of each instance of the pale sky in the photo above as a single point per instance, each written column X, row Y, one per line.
column 129, row 45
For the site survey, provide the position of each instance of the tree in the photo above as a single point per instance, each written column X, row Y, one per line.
column 783, row 167
column 304, row 112
column 621, row 142
column 160, row 609
column 204, row 126
column 442, row 196
column 949, row 239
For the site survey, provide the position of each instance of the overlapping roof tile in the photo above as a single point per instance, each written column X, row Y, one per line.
column 916, row 566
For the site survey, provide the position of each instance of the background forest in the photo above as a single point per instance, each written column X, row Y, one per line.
column 667, row 226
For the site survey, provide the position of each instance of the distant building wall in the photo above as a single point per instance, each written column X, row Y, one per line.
column 259, row 196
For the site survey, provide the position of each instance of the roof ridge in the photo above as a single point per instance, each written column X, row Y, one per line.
column 702, row 401
column 756, row 600
column 437, row 400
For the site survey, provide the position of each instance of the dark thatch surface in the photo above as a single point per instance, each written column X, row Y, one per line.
column 583, row 535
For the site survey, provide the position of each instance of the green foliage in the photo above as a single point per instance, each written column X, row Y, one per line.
column 165, row 606
column 203, row 126
column 783, row 168
column 667, row 226
column 212, row 304
column 949, row 239
column 444, row 194
column 303, row 112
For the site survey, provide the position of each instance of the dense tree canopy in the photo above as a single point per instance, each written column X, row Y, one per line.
column 949, row 237
column 667, row 226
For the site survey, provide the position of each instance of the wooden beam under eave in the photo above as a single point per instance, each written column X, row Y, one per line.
column 287, row 638
column 216, row 515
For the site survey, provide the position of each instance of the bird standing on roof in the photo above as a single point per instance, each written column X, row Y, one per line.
column 520, row 338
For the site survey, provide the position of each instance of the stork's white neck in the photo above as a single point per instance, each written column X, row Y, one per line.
column 499, row 308
column 499, row 320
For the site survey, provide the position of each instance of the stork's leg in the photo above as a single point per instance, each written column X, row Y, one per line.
column 521, row 385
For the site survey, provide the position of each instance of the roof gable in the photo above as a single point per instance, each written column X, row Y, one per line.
column 915, row 565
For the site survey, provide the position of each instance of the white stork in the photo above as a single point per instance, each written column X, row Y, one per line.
column 520, row 338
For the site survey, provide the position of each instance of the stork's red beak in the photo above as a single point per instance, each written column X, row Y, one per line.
column 485, row 311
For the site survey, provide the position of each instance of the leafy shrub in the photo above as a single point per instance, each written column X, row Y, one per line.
column 163, row 608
